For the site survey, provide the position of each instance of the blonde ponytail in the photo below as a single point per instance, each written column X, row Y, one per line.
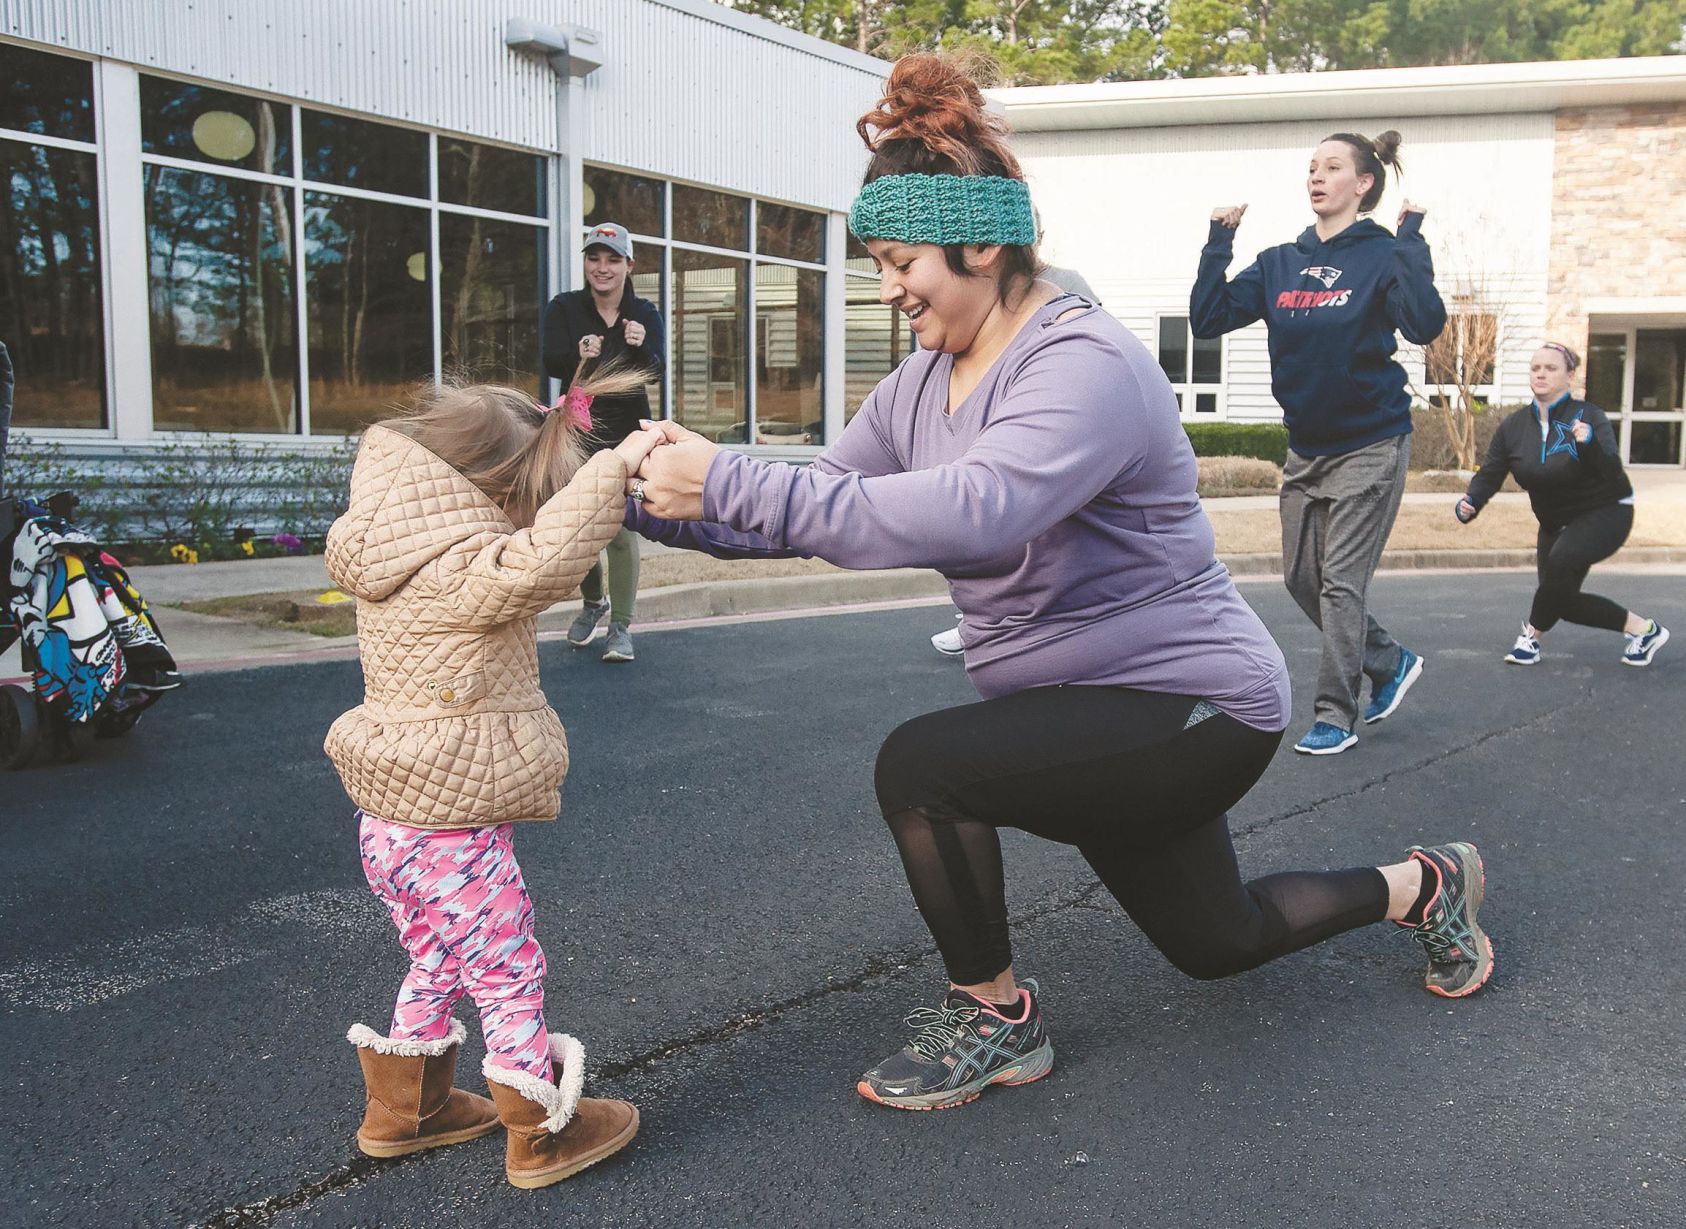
column 518, row 452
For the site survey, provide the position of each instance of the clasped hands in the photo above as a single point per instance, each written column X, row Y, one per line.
column 666, row 467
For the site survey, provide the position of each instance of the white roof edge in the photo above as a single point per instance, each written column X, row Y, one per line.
column 760, row 27
column 1453, row 89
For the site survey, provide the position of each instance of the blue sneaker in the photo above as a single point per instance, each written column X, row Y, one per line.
column 1386, row 698
column 1526, row 650
column 1325, row 739
column 1643, row 647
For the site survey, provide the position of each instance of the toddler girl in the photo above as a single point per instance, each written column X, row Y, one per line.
column 467, row 518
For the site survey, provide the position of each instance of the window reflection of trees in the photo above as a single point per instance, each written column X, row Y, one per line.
column 48, row 94
column 366, row 280
column 50, row 313
column 486, row 177
column 222, row 303
column 491, row 286
column 254, row 133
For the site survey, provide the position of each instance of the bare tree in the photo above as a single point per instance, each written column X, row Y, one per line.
column 1464, row 360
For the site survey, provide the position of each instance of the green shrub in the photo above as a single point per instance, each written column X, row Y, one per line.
column 1431, row 447
column 197, row 492
column 1268, row 441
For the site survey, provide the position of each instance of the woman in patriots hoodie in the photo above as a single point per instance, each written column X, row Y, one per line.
column 1332, row 300
column 1563, row 452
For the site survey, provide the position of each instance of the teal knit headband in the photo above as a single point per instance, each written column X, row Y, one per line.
column 944, row 209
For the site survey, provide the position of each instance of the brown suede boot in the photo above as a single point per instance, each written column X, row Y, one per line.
column 553, row 1131
column 411, row 1104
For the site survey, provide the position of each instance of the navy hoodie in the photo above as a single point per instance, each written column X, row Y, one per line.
column 1331, row 308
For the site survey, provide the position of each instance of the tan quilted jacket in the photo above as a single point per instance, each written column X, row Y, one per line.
column 453, row 731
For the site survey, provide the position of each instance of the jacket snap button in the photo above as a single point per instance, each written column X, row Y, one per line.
column 447, row 695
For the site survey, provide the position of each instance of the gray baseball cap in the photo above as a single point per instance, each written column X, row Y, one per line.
column 611, row 235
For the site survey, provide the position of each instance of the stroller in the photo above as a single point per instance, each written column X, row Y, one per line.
column 92, row 649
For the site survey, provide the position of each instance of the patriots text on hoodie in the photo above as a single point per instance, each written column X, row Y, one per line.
column 1331, row 307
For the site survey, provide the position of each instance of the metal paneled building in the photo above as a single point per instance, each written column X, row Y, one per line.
column 262, row 218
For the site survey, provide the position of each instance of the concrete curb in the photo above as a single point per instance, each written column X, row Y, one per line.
column 225, row 644
column 758, row 595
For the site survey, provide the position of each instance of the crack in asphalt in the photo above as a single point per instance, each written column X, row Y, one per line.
column 876, row 970
column 1270, row 821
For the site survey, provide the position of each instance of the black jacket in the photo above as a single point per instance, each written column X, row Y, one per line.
column 573, row 315
column 1564, row 477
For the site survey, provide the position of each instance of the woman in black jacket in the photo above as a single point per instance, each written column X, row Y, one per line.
column 1563, row 452
column 603, row 324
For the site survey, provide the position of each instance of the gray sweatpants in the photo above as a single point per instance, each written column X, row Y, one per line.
column 1336, row 515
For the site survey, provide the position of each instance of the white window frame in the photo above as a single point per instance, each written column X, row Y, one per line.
column 1187, row 390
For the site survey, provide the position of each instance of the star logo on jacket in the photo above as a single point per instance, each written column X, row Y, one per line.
column 1326, row 274
column 1563, row 440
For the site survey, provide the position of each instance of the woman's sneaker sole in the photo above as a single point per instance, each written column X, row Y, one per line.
column 1027, row 1070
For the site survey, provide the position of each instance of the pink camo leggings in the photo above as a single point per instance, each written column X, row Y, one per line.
column 464, row 917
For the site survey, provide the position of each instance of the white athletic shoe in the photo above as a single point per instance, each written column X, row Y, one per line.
column 1526, row 650
column 948, row 643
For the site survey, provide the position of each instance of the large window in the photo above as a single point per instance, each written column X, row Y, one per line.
column 706, row 349
column 51, row 316
column 741, row 284
column 224, row 354
column 875, row 337
column 790, row 344
column 1195, row 367
column 267, row 221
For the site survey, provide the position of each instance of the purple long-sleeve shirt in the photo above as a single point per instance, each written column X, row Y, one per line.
column 1058, row 500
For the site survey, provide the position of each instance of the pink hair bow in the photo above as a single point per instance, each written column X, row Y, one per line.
column 575, row 404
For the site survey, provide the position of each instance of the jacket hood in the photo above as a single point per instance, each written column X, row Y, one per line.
column 1360, row 231
column 408, row 507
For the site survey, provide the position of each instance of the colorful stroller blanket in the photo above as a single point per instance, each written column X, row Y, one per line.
column 95, row 648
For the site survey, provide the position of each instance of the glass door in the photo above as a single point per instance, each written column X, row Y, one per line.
column 1638, row 377
column 1659, row 368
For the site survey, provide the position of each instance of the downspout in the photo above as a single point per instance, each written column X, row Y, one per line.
column 573, row 53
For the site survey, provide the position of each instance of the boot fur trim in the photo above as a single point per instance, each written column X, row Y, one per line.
column 365, row 1038
column 558, row 1100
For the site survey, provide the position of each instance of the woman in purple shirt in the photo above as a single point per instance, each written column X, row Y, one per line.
column 1031, row 451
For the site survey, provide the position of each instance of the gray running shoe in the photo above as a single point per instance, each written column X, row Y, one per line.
column 585, row 623
column 617, row 645
column 1460, row 955
column 960, row 1049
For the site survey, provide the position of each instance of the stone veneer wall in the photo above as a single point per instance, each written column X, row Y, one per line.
column 1618, row 188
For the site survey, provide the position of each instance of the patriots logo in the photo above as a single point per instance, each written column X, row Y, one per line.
column 1326, row 274
column 1563, row 439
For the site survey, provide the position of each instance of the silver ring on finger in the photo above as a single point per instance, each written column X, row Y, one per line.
column 635, row 489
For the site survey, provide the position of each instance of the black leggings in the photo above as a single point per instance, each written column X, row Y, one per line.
column 1566, row 555
column 1141, row 792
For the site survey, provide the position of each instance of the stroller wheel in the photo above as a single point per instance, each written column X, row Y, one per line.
column 20, row 727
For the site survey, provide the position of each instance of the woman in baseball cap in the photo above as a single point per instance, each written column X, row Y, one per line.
column 602, row 325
